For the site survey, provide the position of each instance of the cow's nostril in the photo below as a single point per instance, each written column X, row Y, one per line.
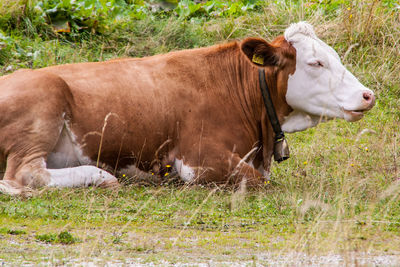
column 367, row 96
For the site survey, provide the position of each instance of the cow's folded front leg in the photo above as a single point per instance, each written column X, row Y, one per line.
column 226, row 168
column 243, row 172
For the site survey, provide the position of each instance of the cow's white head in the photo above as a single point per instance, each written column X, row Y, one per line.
column 321, row 87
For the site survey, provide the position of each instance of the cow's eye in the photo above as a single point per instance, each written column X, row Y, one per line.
column 316, row 63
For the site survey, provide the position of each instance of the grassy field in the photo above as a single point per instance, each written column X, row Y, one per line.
column 338, row 193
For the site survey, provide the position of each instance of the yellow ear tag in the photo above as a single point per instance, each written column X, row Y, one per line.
column 258, row 59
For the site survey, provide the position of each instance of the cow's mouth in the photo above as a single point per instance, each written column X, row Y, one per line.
column 354, row 115
column 355, row 112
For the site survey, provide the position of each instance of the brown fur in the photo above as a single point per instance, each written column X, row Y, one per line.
column 202, row 105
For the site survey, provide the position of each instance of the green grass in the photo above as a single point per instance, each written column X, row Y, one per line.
column 338, row 193
column 158, row 222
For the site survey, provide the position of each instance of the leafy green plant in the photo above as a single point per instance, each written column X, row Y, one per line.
column 67, row 15
column 5, row 47
column 16, row 232
column 188, row 8
column 64, row 237
column 47, row 238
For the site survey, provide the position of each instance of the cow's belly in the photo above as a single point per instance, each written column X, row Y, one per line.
column 68, row 152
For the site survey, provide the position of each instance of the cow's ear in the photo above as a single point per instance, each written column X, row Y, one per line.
column 260, row 52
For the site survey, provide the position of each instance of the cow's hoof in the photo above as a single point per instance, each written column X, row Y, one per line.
column 27, row 192
column 13, row 188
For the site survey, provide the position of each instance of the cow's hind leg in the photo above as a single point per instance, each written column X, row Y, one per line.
column 32, row 117
column 35, row 174
column 23, row 174
column 26, row 169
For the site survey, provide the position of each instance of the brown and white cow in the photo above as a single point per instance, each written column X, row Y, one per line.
column 200, row 111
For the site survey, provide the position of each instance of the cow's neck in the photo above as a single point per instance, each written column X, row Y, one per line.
column 249, row 95
column 238, row 79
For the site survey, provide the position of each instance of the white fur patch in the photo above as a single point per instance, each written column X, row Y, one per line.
column 79, row 176
column 185, row 172
column 251, row 164
column 266, row 174
column 67, row 152
column 301, row 27
column 299, row 121
column 298, row 32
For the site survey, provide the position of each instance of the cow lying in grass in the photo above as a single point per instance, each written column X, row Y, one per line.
column 200, row 111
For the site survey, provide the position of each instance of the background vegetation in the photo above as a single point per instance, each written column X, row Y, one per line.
column 339, row 193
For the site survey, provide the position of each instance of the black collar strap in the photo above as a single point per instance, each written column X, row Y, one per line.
column 269, row 106
column 281, row 149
